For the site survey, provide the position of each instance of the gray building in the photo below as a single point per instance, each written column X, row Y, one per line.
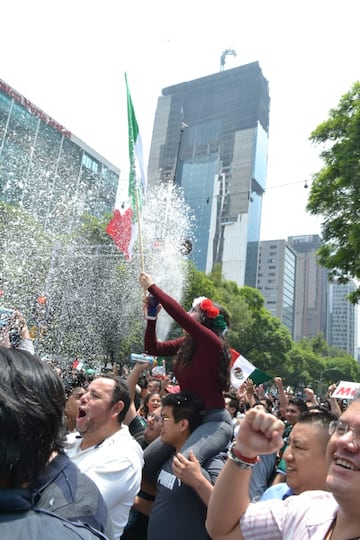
column 210, row 136
column 296, row 289
column 276, row 280
column 311, row 300
column 47, row 170
column 343, row 318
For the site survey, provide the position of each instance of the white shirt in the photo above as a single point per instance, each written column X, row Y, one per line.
column 300, row 517
column 115, row 465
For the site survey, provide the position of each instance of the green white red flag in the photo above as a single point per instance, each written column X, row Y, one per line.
column 123, row 228
column 241, row 369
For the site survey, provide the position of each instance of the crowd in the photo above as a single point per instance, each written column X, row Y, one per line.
column 138, row 456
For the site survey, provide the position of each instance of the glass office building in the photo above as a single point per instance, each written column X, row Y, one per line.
column 47, row 170
column 210, row 136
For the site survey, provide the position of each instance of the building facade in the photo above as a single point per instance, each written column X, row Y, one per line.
column 311, row 299
column 210, row 136
column 47, row 170
column 297, row 290
column 276, row 280
column 343, row 318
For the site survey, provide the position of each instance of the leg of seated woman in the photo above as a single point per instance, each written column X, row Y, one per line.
column 211, row 437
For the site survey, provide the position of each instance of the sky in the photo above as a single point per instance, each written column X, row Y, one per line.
column 69, row 59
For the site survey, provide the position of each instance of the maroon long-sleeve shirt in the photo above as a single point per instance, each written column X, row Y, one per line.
column 201, row 377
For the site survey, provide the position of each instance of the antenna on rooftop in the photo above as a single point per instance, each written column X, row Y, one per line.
column 226, row 53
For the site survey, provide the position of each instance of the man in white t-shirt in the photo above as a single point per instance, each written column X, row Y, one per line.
column 104, row 449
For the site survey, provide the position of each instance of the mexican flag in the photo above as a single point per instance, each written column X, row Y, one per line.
column 123, row 227
column 241, row 369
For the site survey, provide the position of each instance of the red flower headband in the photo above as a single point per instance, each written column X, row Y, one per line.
column 209, row 309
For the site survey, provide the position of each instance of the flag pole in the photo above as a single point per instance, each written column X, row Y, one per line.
column 141, row 249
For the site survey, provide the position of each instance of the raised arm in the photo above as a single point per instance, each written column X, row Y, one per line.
column 177, row 312
column 259, row 433
column 334, row 404
column 282, row 396
column 134, row 376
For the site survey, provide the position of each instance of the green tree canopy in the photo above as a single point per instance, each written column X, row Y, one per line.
column 254, row 332
column 24, row 258
column 335, row 193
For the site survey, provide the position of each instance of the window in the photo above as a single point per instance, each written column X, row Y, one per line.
column 90, row 163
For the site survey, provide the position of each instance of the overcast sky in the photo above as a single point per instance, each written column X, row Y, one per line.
column 69, row 58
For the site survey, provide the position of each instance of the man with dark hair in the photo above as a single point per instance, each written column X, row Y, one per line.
column 32, row 403
column 104, row 449
column 332, row 514
column 294, row 409
column 304, row 456
column 183, row 488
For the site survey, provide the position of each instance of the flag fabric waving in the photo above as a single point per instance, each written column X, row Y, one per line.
column 241, row 369
column 123, row 227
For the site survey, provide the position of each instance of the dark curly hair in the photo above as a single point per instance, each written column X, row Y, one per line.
column 185, row 354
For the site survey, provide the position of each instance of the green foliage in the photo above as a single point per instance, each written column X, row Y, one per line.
column 97, row 311
column 198, row 284
column 24, row 257
column 335, row 193
column 260, row 338
column 314, row 363
column 266, row 342
column 96, row 305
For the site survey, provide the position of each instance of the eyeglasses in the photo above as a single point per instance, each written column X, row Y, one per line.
column 340, row 428
column 166, row 418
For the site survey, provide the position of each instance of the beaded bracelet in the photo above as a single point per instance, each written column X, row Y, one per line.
column 241, row 461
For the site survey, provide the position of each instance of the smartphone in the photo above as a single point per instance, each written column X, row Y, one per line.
column 5, row 316
column 152, row 304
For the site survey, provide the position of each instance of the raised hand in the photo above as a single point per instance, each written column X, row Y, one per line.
column 259, row 433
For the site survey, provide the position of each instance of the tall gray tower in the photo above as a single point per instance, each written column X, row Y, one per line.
column 210, row 136
column 311, row 288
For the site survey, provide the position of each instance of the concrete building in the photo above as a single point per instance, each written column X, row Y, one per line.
column 297, row 290
column 311, row 298
column 47, row 170
column 210, row 136
column 343, row 319
column 276, row 280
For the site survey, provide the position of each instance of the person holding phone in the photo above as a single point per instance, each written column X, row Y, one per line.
column 202, row 367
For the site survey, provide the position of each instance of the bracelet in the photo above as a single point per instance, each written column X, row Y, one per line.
column 146, row 496
column 241, row 461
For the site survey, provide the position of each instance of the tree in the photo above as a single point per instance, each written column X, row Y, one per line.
column 24, row 258
column 335, row 193
column 266, row 342
column 198, row 284
column 254, row 332
column 96, row 305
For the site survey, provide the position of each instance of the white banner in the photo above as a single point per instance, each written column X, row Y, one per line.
column 346, row 390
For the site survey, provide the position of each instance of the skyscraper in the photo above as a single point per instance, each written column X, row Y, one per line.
column 311, row 288
column 342, row 318
column 277, row 280
column 47, row 170
column 210, row 136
